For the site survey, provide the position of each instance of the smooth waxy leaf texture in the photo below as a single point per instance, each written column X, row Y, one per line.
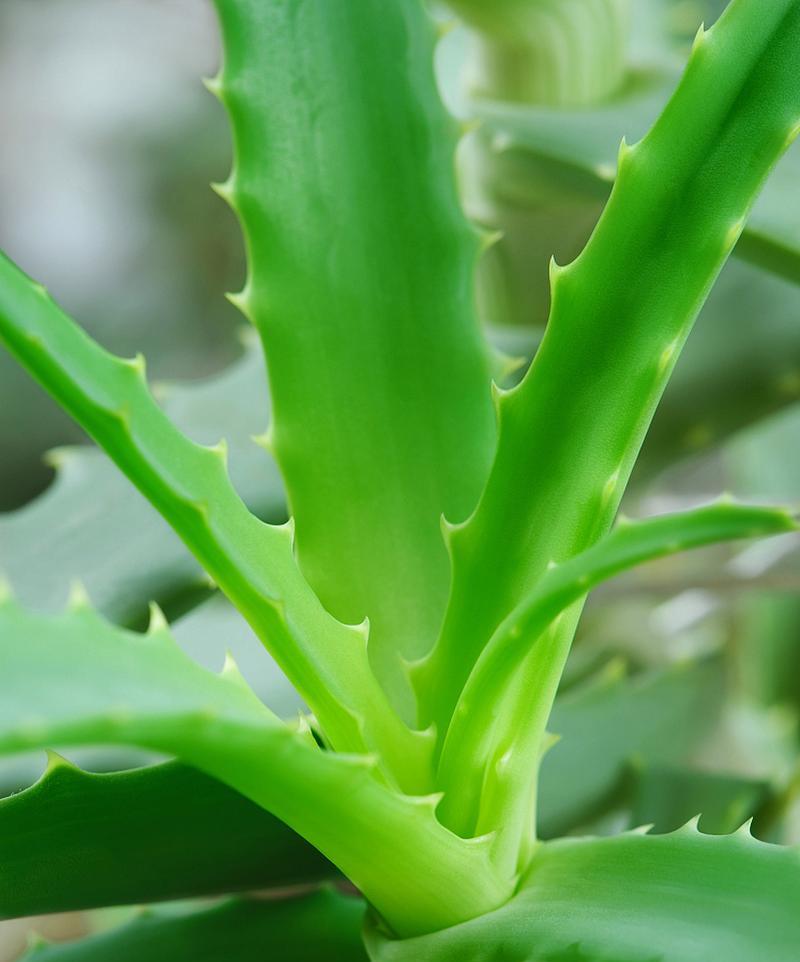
column 611, row 343
column 142, row 690
column 476, row 741
column 603, row 365
column 324, row 925
column 684, row 897
column 77, row 840
column 178, row 833
column 252, row 562
column 361, row 285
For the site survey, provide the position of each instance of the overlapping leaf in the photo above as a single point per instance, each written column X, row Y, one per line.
column 76, row 840
column 684, row 897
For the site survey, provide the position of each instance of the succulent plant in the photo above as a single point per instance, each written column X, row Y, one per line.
column 444, row 535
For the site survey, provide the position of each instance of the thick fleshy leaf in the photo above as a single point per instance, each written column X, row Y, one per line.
column 476, row 742
column 614, row 337
column 684, row 897
column 361, row 285
column 76, row 840
column 188, row 483
column 76, row 680
column 324, row 925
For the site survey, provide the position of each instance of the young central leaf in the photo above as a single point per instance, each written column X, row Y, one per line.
column 361, row 276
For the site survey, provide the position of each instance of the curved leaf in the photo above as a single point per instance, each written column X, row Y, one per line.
column 104, row 534
column 361, row 285
column 475, row 741
column 188, row 483
column 76, row 840
column 76, row 680
column 324, row 925
column 613, row 336
column 684, row 897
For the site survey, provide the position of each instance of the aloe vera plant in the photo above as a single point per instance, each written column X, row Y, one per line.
column 443, row 536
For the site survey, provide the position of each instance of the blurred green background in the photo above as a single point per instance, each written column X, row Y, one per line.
column 108, row 142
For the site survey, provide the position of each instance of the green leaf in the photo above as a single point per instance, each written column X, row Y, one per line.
column 76, row 680
column 214, row 629
column 477, row 741
column 570, row 433
column 666, row 797
column 76, row 840
column 613, row 720
column 614, row 337
column 324, row 925
column 361, row 285
column 252, row 562
column 104, row 534
column 684, row 897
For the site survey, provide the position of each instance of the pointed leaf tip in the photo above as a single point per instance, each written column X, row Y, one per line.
column 158, row 622
column 230, row 670
column 224, row 189
column 56, row 761
column 137, row 364
column 699, row 38
column 213, row 85
column 265, row 440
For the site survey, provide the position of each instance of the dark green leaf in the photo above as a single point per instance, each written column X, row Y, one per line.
column 76, row 840
column 324, row 926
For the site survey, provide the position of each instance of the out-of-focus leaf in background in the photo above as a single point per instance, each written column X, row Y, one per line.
column 108, row 144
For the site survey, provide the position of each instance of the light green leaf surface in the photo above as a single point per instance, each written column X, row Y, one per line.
column 76, row 840
column 684, row 897
column 325, row 925
column 614, row 337
column 252, row 562
column 361, row 285
column 478, row 739
column 570, row 433
column 76, row 680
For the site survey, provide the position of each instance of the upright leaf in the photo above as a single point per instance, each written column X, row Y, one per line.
column 361, row 284
column 252, row 562
column 570, row 433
